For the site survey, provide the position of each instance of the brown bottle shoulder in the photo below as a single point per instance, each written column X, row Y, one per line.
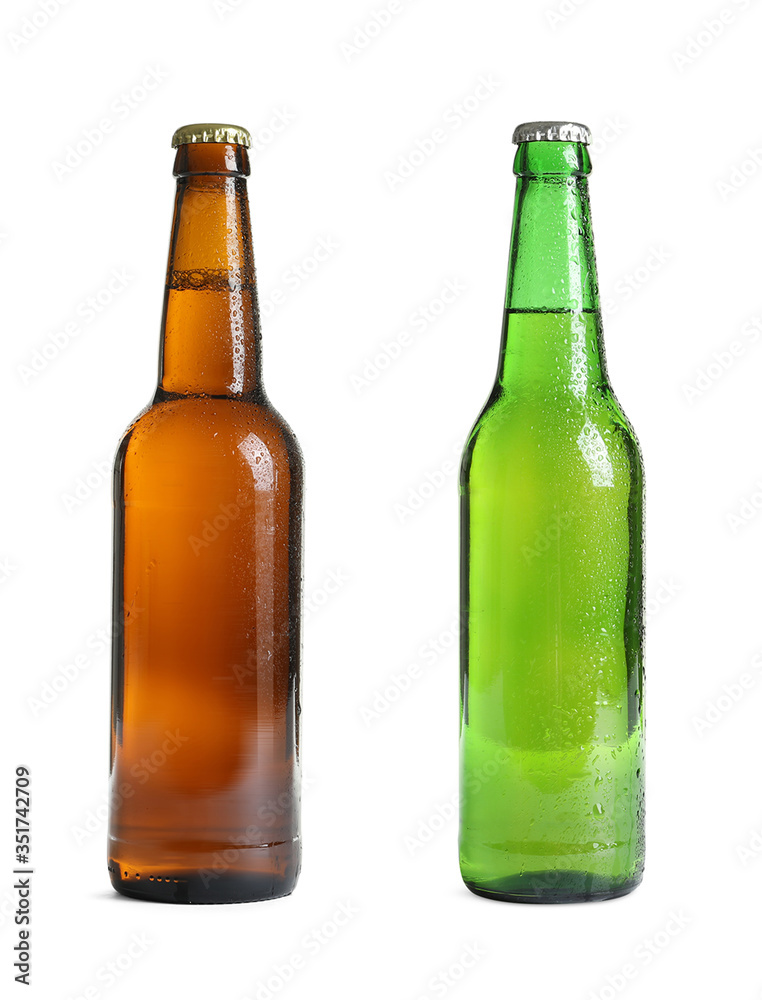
column 204, row 437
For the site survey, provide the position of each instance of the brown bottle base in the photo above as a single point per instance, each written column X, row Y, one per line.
column 552, row 887
column 202, row 885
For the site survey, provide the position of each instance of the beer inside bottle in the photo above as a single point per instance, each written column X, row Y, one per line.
column 207, row 577
column 551, row 571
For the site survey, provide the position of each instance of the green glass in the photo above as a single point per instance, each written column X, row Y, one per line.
column 552, row 576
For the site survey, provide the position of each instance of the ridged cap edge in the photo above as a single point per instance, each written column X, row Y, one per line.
column 211, row 132
column 552, row 132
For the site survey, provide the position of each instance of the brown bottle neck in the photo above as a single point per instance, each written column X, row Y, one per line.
column 211, row 337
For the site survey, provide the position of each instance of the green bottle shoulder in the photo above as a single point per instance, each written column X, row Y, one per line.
column 551, row 422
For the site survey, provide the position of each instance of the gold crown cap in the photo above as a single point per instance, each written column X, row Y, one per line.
column 211, row 132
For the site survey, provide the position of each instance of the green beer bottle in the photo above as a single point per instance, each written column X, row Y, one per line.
column 551, row 571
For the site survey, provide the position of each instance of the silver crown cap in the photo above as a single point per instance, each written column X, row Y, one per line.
column 552, row 132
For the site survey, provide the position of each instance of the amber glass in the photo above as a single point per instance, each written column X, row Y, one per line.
column 207, row 580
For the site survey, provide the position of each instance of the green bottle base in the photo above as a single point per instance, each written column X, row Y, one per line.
column 551, row 887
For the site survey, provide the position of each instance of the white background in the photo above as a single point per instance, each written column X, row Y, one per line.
column 676, row 196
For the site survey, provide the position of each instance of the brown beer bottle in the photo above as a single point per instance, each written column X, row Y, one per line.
column 207, row 576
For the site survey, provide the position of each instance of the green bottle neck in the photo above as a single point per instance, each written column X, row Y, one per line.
column 552, row 271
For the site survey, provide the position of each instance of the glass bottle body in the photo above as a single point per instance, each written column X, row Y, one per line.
column 551, row 486
column 207, row 587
